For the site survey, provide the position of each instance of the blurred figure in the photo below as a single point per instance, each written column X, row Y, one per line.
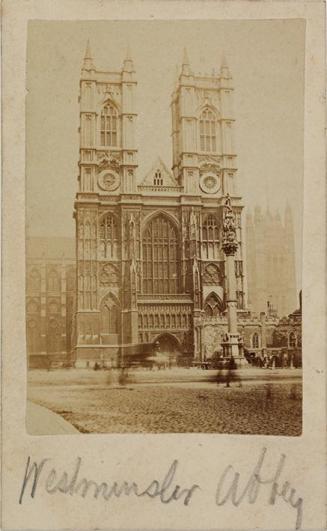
column 220, row 378
column 232, row 374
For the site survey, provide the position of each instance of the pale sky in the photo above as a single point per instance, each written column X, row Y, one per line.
column 266, row 59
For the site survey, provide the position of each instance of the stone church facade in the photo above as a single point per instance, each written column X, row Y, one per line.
column 147, row 269
column 150, row 265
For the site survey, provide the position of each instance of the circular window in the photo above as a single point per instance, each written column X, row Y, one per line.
column 210, row 183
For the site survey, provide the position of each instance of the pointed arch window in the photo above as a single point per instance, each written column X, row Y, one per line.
column 108, row 126
column 208, row 131
column 109, row 237
column 210, row 237
column 158, row 180
column 110, row 313
column 160, row 257
column 213, row 306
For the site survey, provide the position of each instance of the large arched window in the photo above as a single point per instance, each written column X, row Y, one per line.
column 108, row 127
column 109, row 237
column 208, row 131
column 210, row 237
column 160, row 257
column 110, row 316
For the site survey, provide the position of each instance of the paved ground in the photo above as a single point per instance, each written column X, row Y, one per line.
column 167, row 376
column 180, row 400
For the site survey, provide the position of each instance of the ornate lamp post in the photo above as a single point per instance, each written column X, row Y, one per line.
column 229, row 246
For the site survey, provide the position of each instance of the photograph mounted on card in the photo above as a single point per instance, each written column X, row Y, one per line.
column 163, row 305
column 170, row 283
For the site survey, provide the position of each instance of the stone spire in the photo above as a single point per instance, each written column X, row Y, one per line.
column 88, row 59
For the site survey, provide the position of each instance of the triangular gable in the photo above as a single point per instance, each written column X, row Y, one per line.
column 165, row 177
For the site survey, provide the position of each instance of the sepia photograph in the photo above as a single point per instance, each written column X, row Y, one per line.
column 164, row 207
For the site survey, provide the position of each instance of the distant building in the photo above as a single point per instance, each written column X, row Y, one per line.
column 270, row 258
column 50, row 295
column 288, row 333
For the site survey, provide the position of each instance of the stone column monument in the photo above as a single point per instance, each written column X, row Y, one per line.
column 229, row 245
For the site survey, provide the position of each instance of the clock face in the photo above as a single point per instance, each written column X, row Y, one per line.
column 210, row 183
column 109, row 180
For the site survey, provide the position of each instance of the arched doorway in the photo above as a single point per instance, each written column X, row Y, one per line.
column 167, row 344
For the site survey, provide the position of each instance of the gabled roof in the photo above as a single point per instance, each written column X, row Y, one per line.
column 166, row 175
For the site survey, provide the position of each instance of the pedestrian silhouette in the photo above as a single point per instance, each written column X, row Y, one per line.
column 232, row 374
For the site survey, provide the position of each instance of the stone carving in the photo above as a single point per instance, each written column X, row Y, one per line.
column 211, row 275
column 108, row 160
column 209, row 162
column 109, row 275
column 229, row 244
column 193, row 224
column 212, row 336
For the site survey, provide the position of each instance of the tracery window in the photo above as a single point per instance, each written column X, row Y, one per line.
column 160, row 257
column 108, row 128
column 255, row 340
column 109, row 237
column 208, row 133
column 213, row 306
column 210, row 237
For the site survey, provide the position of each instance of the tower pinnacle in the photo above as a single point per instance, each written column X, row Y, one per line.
column 88, row 59
column 128, row 65
column 186, row 70
column 224, row 69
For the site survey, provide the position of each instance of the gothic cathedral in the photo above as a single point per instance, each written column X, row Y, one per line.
column 150, row 264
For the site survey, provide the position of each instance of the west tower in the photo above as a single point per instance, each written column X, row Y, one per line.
column 107, row 166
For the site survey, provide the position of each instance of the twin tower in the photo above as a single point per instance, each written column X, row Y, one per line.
column 150, row 265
